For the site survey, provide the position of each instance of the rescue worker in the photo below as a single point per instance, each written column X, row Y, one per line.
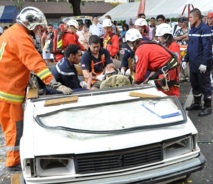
column 65, row 71
column 164, row 34
column 111, row 40
column 161, row 62
column 70, row 37
column 18, row 57
column 199, row 56
column 95, row 60
column 142, row 26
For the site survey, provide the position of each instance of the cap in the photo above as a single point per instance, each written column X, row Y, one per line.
column 182, row 19
column 1, row 30
column 210, row 15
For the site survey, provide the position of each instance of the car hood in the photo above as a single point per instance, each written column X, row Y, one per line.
column 45, row 141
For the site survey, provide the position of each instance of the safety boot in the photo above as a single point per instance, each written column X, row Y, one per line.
column 207, row 108
column 14, row 168
column 196, row 105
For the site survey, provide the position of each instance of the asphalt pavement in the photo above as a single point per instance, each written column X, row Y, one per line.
column 204, row 126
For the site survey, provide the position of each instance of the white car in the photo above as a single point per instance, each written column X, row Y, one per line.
column 109, row 137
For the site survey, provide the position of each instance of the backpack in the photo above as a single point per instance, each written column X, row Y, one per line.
column 56, row 44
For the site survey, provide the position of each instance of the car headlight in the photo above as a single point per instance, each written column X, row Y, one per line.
column 178, row 146
column 54, row 166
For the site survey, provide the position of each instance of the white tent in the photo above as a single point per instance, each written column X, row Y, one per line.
column 169, row 8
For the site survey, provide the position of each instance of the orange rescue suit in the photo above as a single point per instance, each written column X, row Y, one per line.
column 152, row 57
column 18, row 57
column 111, row 43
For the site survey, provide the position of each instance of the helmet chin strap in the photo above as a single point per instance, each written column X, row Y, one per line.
column 32, row 34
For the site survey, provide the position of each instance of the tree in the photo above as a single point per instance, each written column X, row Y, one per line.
column 76, row 6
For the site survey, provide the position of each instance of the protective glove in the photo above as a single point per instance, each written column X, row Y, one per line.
column 83, row 84
column 100, row 77
column 202, row 68
column 184, row 65
column 63, row 89
column 122, row 71
column 59, row 87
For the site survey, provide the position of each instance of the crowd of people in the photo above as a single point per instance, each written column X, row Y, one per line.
column 141, row 53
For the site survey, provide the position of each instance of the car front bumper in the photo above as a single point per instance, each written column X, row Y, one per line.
column 138, row 176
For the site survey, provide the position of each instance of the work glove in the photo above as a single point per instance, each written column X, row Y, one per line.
column 83, row 84
column 63, row 89
column 122, row 71
column 183, row 65
column 202, row 68
column 59, row 87
column 100, row 77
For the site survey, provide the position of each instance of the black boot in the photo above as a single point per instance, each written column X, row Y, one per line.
column 207, row 108
column 196, row 105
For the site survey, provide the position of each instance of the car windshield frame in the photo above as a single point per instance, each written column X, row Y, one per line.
column 38, row 118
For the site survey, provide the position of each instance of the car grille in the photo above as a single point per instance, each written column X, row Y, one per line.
column 120, row 159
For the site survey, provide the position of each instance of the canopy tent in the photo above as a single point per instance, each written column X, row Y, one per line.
column 8, row 13
column 169, row 8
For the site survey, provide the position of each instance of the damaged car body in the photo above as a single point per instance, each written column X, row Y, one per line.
column 109, row 136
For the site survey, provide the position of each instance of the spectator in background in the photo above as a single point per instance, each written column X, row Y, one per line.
column 160, row 19
column 204, row 19
column 84, row 36
column 5, row 28
column 1, row 30
column 142, row 15
column 181, row 34
column 152, row 26
column 45, row 44
column 97, row 29
column 131, row 24
column 125, row 28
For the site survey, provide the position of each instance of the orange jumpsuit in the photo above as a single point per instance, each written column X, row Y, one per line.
column 111, row 43
column 18, row 57
column 67, row 39
column 152, row 57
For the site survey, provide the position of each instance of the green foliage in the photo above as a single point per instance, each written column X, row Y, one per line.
column 18, row 4
column 174, row 19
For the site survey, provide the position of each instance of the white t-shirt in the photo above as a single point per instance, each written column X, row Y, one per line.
column 96, row 30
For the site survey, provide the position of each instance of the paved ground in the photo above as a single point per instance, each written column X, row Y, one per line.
column 205, row 129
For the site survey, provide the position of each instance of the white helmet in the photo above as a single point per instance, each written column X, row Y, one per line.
column 163, row 29
column 107, row 23
column 141, row 22
column 73, row 22
column 132, row 35
column 30, row 17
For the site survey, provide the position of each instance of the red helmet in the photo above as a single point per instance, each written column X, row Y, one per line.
column 210, row 15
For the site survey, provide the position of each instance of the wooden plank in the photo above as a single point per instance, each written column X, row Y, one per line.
column 61, row 101
column 32, row 93
column 142, row 95
column 15, row 178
